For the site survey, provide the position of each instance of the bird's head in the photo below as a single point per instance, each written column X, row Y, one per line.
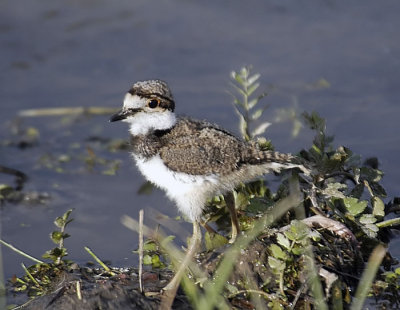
column 148, row 106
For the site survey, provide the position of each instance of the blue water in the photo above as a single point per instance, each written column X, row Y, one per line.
column 88, row 53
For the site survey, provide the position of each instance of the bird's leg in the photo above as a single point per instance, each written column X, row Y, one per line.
column 230, row 203
column 191, row 251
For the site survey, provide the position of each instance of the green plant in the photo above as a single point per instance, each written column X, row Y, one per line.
column 307, row 257
column 247, row 105
column 56, row 254
column 39, row 278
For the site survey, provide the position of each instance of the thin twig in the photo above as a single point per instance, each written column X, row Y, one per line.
column 141, row 212
column 78, row 290
column 67, row 111
column 298, row 294
column 20, row 252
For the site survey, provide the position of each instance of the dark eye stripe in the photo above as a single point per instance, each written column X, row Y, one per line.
column 166, row 102
column 149, row 96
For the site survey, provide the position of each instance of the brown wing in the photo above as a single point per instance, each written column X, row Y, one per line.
column 201, row 150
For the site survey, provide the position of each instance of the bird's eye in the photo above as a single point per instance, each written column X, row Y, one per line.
column 153, row 103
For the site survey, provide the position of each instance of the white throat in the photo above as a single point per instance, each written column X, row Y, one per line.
column 143, row 123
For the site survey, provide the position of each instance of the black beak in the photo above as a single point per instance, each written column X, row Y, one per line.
column 119, row 116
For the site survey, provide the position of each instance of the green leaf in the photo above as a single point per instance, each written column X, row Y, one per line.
column 316, row 149
column 147, row 260
column 241, row 200
column 275, row 304
column 244, row 72
column 377, row 189
column 252, row 103
column 150, row 246
column 5, row 189
column 59, row 222
column 354, row 206
column 277, row 252
column 378, row 206
column 65, row 235
column 239, row 90
column 314, row 121
column 156, row 262
column 370, row 174
column 353, row 161
column 298, row 250
column 283, row 241
column 357, row 191
column 333, row 190
column 214, row 241
column 371, row 230
column 252, row 89
column 66, row 215
column 253, row 78
column 367, row 219
column 261, row 129
column 276, row 264
column 257, row 114
column 56, row 236
column 298, row 231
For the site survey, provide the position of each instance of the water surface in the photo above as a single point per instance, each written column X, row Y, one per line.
column 88, row 53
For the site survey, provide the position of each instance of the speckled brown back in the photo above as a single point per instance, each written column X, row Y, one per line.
column 200, row 148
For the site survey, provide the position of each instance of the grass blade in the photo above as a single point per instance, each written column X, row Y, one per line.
column 367, row 277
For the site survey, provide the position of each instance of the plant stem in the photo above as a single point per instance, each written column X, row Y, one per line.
column 105, row 267
column 30, row 275
column 20, row 252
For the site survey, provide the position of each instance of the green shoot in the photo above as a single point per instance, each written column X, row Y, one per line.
column 58, row 238
column 246, row 104
column 99, row 261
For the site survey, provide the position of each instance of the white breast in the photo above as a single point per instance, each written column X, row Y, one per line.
column 190, row 192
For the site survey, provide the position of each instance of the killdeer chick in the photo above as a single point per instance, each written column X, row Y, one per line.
column 190, row 160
